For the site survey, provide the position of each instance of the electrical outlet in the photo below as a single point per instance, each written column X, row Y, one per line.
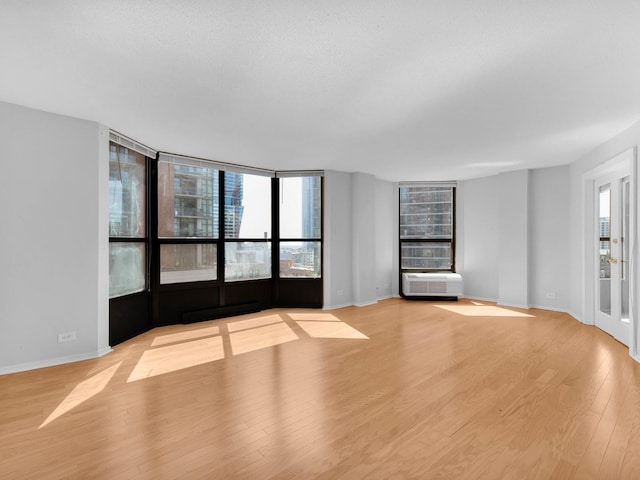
column 551, row 295
column 340, row 292
column 66, row 337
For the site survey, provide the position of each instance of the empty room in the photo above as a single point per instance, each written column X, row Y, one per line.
column 319, row 240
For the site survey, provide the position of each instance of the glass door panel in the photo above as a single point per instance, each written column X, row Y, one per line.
column 613, row 214
column 625, row 190
column 604, row 248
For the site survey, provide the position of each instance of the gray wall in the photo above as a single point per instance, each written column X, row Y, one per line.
column 548, row 240
column 360, row 239
column 338, row 290
column 54, row 240
column 477, row 242
column 386, row 234
column 515, row 241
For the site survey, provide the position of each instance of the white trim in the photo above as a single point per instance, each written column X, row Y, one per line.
column 131, row 144
column 551, row 309
column 52, row 362
column 626, row 159
column 299, row 173
column 575, row 316
column 366, row 304
column 384, row 297
column 203, row 162
column 514, row 305
column 480, row 299
column 335, row 307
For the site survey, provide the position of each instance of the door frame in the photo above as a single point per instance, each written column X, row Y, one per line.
column 625, row 159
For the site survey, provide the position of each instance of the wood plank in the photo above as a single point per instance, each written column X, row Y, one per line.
column 429, row 393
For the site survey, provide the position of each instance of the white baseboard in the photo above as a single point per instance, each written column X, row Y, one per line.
column 514, row 305
column 366, row 304
column 551, row 309
column 384, row 297
column 335, row 307
column 479, row 299
column 51, row 362
column 575, row 315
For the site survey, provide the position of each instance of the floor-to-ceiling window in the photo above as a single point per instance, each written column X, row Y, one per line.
column 299, row 210
column 222, row 244
column 128, row 238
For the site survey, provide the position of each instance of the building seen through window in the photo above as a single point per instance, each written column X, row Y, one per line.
column 427, row 227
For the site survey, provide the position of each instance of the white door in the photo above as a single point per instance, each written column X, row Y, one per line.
column 612, row 193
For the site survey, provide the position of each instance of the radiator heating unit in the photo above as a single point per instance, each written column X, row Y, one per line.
column 431, row 284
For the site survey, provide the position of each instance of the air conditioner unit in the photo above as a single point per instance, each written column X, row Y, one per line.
column 431, row 284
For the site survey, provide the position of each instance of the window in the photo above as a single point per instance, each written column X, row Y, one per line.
column 427, row 233
column 187, row 201
column 189, row 262
column 300, row 226
column 247, row 226
column 188, row 198
column 127, row 221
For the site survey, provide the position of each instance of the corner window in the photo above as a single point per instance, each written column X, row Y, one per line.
column 127, row 221
column 300, row 227
column 427, row 227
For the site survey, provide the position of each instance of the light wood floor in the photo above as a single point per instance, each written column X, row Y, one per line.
column 396, row 390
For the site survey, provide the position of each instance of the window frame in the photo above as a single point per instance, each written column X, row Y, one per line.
column 144, row 239
column 161, row 241
column 280, row 239
column 424, row 239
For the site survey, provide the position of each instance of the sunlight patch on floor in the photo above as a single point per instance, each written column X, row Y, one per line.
column 184, row 336
column 482, row 311
column 82, row 392
column 178, row 351
column 330, row 329
column 253, row 322
column 261, row 337
column 324, row 317
column 177, row 357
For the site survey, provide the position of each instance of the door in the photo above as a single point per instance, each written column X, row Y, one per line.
column 612, row 192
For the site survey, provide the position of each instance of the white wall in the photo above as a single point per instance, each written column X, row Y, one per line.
column 337, row 240
column 548, row 240
column 513, row 260
column 360, row 239
column 386, row 234
column 54, row 244
column 513, row 237
column 363, row 248
column 478, row 236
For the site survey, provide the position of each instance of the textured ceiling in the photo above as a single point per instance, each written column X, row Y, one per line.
column 404, row 90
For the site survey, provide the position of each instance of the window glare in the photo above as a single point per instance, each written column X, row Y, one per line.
column 247, row 206
column 126, row 268
column 300, row 207
column 127, row 200
column 247, row 260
